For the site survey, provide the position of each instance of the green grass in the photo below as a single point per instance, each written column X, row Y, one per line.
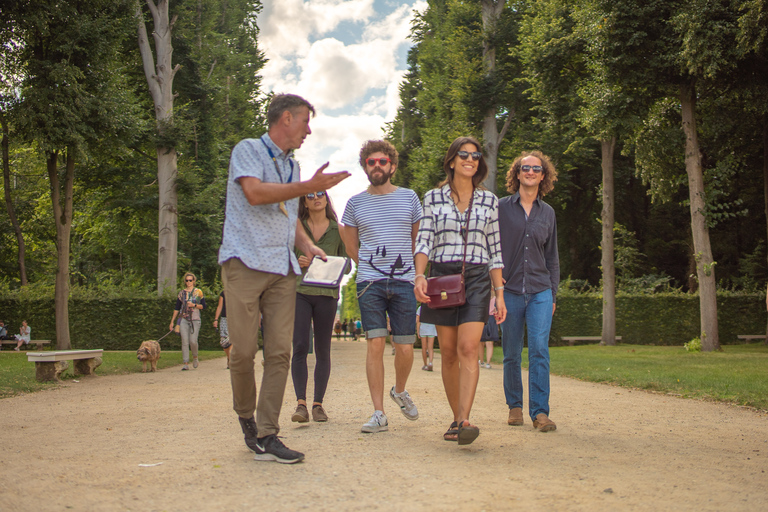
column 17, row 375
column 735, row 375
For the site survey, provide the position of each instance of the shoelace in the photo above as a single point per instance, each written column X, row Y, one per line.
column 405, row 397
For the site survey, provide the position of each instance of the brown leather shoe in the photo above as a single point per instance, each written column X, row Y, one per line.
column 318, row 413
column 543, row 423
column 515, row 417
column 301, row 415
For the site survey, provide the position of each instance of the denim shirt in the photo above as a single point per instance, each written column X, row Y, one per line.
column 529, row 247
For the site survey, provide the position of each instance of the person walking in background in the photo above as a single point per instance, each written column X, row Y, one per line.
column 220, row 323
column 427, row 333
column 315, row 306
column 460, row 233
column 259, row 267
column 532, row 273
column 380, row 229
column 25, row 335
column 489, row 337
column 189, row 303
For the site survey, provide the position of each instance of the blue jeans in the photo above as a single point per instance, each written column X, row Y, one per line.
column 533, row 311
column 392, row 297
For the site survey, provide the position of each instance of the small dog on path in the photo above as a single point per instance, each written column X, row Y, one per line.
column 149, row 352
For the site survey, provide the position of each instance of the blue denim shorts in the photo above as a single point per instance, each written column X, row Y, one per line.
column 391, row 297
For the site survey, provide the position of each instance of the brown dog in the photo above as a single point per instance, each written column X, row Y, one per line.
column 149, row 352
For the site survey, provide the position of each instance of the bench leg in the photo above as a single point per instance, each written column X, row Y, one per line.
column 46, row 371
column 86, row 366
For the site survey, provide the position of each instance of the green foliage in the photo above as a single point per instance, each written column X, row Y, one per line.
column 115, row 318
column 694, row 345
column 350, row 309
column 668, row 318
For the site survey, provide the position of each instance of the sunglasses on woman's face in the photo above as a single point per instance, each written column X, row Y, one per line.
column 189, row 280
column 381, row 161
column 466, row 154
column 312, row 195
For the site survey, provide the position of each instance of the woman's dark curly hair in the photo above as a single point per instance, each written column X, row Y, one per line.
column 550, row 173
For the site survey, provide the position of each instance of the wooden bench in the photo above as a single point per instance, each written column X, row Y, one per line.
column 573, row 339
column 49, row 365
column 39, row 343
column 750, row 337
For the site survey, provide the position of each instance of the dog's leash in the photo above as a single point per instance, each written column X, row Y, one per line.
column 166, row 334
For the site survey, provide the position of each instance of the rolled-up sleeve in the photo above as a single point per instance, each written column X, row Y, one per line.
column 493, row 237
column 425, row 239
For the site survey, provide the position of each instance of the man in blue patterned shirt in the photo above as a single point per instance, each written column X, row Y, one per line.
column 259, row 267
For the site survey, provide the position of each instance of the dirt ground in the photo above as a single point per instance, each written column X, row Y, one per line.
column 81, row 447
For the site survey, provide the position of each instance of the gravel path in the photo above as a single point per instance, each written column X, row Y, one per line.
column 80, row 447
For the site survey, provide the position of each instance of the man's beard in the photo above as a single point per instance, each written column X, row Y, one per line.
column 378, row 177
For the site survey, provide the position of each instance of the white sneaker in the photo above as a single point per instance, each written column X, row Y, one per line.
column 377, row 423
column 407, row 406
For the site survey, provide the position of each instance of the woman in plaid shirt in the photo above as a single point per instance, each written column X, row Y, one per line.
column 440, row 243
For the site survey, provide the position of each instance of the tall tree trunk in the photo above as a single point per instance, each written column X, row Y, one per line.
column 607, row 262
column 160, row 81
column 492, row 137
column 705, row 265
column 9, row 202
column 62, row 214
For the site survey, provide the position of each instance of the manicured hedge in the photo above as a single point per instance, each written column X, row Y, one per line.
column 658, row 319
column 113, row 324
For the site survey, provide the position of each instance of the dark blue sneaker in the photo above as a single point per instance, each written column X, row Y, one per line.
column 251, row 434
column 270, row 448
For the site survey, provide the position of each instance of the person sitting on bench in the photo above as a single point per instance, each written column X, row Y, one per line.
column 23, row 336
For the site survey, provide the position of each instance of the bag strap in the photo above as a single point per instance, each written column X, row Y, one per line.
column 466, row 233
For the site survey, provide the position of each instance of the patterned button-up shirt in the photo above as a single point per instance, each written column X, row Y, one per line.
column 260, row 236
column 440, row 232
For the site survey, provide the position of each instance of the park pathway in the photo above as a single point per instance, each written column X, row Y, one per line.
column 82, row 446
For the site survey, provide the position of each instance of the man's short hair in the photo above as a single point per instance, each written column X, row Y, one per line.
column 282, row 102
column 375, row 146
column 550, row 173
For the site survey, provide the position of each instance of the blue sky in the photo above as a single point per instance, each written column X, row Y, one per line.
column 347, row 57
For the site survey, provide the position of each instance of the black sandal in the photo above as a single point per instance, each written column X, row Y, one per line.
column 467, row 432
column 452, row 434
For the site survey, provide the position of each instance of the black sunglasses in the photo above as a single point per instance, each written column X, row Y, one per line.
column 476, row 155
column 189, row 280
column 381, row 161
column 534, row 168
column 312, row 195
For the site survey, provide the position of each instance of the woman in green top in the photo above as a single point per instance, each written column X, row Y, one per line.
column 315, row 305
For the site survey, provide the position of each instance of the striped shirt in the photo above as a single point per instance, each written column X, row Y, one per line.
column 440, row 233
column 384, row 223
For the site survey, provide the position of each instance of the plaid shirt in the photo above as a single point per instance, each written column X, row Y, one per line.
column 440, row 232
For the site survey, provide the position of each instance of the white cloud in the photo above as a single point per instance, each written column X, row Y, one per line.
column 286, row 27
column 332, row 73
column 354, row 74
